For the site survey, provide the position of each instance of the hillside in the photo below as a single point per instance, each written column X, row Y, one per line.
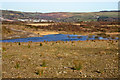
column 62, row 16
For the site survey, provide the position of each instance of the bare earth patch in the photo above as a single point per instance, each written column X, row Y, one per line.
column 40, row 24
column 45, row 32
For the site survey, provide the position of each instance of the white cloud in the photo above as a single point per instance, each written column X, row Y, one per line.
column 59, row 0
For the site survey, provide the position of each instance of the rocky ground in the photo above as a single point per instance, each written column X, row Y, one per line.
column 74, row 59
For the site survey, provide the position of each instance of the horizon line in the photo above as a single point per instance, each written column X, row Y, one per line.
column 58, row 11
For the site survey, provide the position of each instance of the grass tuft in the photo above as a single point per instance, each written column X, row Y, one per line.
column 28, row 45
column 41, row 44
column 19, row 43
column 43, row 63
column 39, row 72
column 77, row 64
column 17, row 65
column 3, row 49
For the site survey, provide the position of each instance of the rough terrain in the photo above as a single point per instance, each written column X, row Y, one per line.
column 95, row 59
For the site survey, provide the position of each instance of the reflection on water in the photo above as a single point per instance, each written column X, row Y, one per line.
column 59, row 37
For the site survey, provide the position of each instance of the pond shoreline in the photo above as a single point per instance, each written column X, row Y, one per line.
column 60, row 37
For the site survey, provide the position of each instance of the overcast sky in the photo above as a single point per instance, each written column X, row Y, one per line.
column 46, row 6
column 59, row 0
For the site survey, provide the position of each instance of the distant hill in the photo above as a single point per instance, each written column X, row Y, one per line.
column 62, row 16
column 111, row 11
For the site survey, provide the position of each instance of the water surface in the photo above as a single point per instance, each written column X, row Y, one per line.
column 58, row 37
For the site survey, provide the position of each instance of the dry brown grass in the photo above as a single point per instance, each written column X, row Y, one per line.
column 40, row 24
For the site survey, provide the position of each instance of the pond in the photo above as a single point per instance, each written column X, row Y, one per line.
column 58, row 37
